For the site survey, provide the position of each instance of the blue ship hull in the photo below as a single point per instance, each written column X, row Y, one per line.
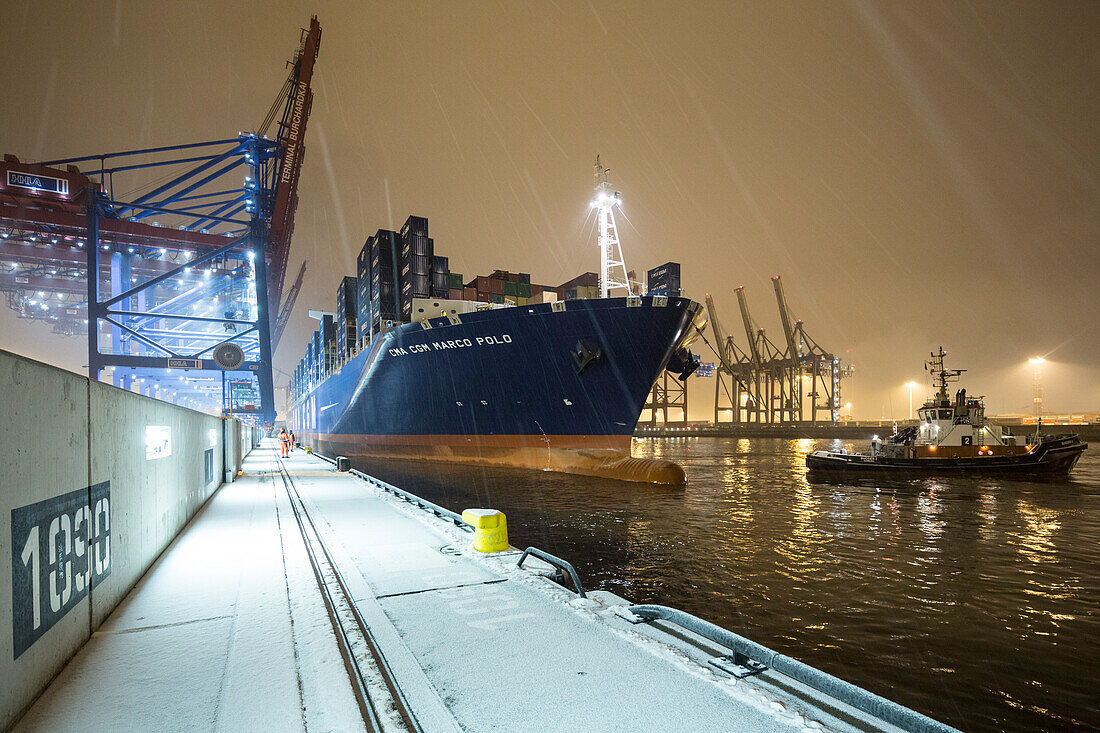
column 504, row 387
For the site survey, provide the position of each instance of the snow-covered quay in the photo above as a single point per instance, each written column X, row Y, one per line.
column 229, row 631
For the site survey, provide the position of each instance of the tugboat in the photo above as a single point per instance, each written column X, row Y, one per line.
column 954, row 437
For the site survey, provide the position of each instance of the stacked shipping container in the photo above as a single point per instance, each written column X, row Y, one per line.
column 328, row 335
column 664, row 280
column 385, row 259
column 503, row 287
column 580, row 288
column 417, row 250
column 440, row 286
column 315, row 361
column 346, row 316
column 455, row 289
column 363, row 292
column 393, row 268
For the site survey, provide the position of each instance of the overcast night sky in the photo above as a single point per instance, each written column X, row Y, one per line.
column 918, row 173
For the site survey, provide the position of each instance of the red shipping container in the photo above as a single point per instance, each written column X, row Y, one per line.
column 456, row 294
column 469, row 293
column 496, row 287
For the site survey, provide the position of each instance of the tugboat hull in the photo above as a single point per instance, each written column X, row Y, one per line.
column 1056, row 455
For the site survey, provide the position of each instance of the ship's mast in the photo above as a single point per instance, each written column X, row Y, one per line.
column 613, row 275
column 940, row 376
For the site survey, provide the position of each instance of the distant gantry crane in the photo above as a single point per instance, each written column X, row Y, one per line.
column 288, row 307
column 175, row 286
column 768, row 384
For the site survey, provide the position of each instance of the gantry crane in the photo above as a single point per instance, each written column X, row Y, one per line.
column 770, row 381
column 766, row 384
column 734, row 374
column 158, row 298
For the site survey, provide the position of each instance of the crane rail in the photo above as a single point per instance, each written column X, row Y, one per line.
column 366, row 664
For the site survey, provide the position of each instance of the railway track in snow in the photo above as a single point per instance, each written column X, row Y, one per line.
column 377, row 692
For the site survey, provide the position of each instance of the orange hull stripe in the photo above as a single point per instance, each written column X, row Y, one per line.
column 570, row 442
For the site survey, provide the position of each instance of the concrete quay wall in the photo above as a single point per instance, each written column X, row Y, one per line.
column 95, row 482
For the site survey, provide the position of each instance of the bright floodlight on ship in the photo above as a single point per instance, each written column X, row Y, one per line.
column 1036, row 360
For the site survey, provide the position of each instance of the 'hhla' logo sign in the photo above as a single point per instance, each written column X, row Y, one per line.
column 38, row 184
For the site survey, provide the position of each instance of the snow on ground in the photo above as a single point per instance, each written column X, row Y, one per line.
column 226, row 632
column 505, row 649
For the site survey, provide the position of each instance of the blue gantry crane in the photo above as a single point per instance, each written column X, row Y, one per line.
column 176, row 286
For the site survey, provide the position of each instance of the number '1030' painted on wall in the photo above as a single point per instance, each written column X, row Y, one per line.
column 61, row 549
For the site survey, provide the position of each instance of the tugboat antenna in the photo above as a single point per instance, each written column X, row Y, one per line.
column 940, row 376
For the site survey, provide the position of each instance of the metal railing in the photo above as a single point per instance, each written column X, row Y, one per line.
column 556, row 562
column 414, row 500
column 845, row 692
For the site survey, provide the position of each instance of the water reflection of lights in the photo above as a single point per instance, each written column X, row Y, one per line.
column 930, row 506
column 1036, row 543
column 799, row 450
column 1045, row 587
column 988, row 512
column 736, row 482
column 804, row 534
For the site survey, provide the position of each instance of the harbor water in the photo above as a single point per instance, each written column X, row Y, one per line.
column 974, row 601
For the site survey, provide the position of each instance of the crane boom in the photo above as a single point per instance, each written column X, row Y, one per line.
column 288, row 307
column 750, row 331
column 785, row 319
column 719, row 334
column 291, row 137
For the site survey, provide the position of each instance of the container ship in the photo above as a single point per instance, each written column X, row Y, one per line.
column 527, row 380
column 953, row 436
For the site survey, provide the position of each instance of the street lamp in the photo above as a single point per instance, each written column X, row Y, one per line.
column 910, row 385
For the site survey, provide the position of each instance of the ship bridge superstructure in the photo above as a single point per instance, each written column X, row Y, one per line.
column 943, row 421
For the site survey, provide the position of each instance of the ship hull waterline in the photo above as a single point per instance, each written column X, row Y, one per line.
column 504, row 388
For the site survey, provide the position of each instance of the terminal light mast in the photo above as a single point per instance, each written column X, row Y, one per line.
column 613, row 275
column 1037, row 385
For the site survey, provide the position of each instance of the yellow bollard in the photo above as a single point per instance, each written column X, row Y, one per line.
column 490, row 529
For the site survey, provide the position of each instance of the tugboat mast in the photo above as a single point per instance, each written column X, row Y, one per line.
column 940, row 376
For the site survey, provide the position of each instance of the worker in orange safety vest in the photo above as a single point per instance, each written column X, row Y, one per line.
column 284, row 439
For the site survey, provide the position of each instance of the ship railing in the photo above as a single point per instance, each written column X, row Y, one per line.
column 748, row 657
